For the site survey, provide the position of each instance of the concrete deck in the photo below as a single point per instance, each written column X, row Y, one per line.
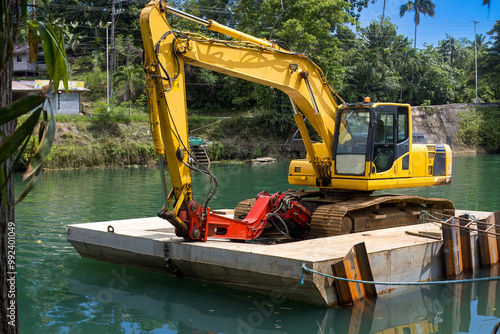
column 149, row 243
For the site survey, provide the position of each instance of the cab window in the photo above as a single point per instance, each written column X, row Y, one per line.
column 384, row 142
column 352, row 141
column 402, row 124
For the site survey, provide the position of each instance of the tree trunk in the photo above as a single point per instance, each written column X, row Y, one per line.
column 415, row 42
column 383, row 14
column 9, row 322
column 8, row 302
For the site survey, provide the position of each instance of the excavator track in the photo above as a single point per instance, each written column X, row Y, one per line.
column 243, row 208
column 370, row 213
column 363, row 213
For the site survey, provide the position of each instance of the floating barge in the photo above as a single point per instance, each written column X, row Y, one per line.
column 396, row 254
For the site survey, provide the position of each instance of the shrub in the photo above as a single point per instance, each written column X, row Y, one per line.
column 480, row 128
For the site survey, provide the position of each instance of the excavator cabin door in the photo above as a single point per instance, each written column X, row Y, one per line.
column 391, row 138
column 379, row 135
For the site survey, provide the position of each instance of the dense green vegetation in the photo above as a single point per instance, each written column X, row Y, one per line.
column 113, row 138
column 372, row 61
column 480, row 128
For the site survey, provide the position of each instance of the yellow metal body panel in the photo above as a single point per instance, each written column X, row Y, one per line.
column 301, row 172
column 168, row 120
column 418, row 175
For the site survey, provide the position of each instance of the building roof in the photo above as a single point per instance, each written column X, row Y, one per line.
column 21, row 49
column 23, row 86
column 34, row 86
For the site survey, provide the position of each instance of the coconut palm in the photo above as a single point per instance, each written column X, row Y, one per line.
column 481, row 42
column 425, row 7
column 132, row 76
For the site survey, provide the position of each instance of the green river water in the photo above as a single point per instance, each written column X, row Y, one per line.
column 60, row 292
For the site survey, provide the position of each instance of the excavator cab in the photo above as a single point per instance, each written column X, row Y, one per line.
column 377, row 135
column 373, row 150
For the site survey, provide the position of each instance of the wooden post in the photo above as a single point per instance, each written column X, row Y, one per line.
column 465, row 243
column 452, row 249
column 488, row 246
column 356, row 266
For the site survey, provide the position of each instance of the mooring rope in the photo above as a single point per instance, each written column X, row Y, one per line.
column 471, row 280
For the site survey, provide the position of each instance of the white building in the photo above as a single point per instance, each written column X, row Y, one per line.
column 22, row 66
column 59, row 102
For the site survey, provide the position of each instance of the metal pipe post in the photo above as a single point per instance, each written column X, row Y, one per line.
column 107, row 65
column 476, row 100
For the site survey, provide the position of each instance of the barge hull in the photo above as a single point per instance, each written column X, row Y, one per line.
column 276, row 269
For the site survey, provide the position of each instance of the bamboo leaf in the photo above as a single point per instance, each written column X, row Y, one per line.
column 58, row 55
column 43, row 125
column 48, row 51
column 16, row 139
column 43, row 149
column 20, row 107
column 29, row 187
column 16, row 160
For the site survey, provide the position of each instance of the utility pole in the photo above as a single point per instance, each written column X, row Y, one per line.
column 475, row 56
column 114, row 13
column 107, row 64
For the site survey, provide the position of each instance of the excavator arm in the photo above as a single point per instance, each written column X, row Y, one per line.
column 247, row 57
column 364, row 146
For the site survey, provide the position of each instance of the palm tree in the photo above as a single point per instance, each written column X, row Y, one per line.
column 425, row 7
column 383, row 14
column 132, row 76
column 481, row 42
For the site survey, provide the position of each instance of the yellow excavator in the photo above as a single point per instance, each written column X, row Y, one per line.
column 364, row 146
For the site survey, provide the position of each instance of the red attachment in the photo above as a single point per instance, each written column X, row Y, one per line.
column 290, row 209
column 216, row 226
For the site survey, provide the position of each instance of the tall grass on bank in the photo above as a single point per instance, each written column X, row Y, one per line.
column 479, row 127
column 114, row 138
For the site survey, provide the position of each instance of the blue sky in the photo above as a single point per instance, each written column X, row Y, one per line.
column 452, row 17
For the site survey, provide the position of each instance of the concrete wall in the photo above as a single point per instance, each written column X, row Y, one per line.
column 440, row 123
column 62, row 103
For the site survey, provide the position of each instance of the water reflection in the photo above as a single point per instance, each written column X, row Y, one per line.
column 59, row 292
column 130, row 298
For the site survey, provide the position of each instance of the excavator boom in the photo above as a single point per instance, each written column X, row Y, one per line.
column 350, row 156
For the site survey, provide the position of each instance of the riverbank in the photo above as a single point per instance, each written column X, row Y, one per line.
column 53, row 278
column 118, row 141
column 115, row 140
